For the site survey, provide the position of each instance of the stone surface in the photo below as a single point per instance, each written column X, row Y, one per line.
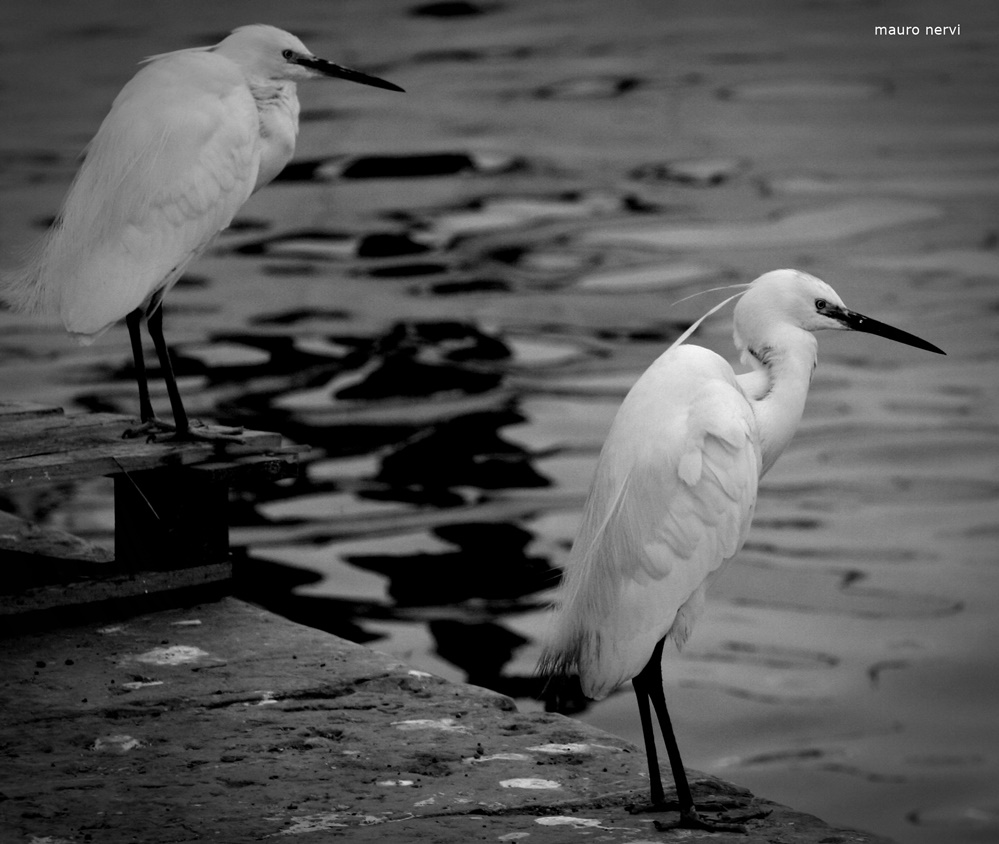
column 223, row 722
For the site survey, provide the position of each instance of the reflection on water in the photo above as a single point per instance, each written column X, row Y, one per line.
column 447, row 297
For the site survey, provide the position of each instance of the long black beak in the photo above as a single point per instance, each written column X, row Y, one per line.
column 859, row 322
column 329, row 69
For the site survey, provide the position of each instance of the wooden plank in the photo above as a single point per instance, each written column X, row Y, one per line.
column 129, row 456
column 25, row 436
column 18, row 432
column 275, row 465
column 55, row 448
column 171, row 498
column 50, row 434
column 12, row 410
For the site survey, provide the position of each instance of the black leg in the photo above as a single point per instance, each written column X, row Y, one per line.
column 134, row 322
column 642, row 694
column 655, row 691
column 155, row 323
column 649, row 687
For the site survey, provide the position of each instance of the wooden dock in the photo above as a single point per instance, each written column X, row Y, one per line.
column 171, row 512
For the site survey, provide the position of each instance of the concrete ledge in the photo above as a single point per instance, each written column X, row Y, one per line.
column 226, row 723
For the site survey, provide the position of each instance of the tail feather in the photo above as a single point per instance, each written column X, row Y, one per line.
column 559, row 665
column 23, row 288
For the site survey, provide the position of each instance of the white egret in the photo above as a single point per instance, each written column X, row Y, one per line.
column 187, row 141
column 674, row 493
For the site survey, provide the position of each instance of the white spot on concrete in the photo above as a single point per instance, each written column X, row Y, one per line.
column 530, row 782
column 395, row 782
column 446, row 725
column 314, row 823
column 595, row 823
column 577, row 747
column 173, row 655
column 111, row 628
column 573, row 821
column 186, row 622
column 423, row 675
column 514, row 836
column 430, row 801
column 115, row 744
column 138, row 684
column 266, row 698
column 498, row 757
column 337, row 820
column 371, row 820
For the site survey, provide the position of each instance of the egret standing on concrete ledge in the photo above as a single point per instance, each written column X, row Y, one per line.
column 187, row 141
column 674, row 494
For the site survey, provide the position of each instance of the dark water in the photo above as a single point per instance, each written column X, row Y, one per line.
column 449, row 292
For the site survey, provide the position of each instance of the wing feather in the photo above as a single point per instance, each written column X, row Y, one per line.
column 672, row 500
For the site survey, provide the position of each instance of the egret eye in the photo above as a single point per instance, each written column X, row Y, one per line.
column 288, row 55
column 821, row 304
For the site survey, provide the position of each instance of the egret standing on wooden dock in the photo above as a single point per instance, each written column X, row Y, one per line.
column 674, row 494
column 187, row 141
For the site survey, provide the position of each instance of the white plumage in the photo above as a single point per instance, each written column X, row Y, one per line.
column 674, row 493
column 671, row 501
column 187, row 141
column 177, row 157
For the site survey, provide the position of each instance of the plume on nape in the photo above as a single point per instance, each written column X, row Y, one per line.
column 697, row 323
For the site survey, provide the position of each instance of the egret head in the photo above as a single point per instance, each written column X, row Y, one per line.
column 270, row 53
column 785, row 299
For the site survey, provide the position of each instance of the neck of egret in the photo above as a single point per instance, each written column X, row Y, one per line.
column 777, row 386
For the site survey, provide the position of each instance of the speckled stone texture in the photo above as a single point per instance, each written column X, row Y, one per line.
column 223, row 722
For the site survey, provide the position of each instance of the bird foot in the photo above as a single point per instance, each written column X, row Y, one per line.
column 212, row 433
column 197, row 431
column 691, row 818
column 149, row 428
